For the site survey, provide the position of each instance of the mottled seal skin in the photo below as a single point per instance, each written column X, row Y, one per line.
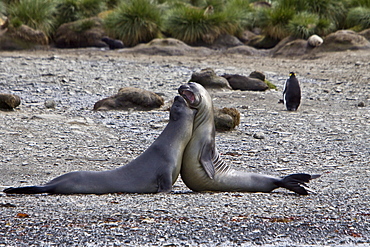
column 202, row 167
column 155, row 170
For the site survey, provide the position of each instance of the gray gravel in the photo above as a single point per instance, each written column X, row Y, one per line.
column 329, row 135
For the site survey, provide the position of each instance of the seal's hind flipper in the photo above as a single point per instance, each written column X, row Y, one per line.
column 296, row 182
column 26, row 190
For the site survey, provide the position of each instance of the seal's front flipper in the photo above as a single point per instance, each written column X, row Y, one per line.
column 164, row 183
column 206, row 158
column 27, row 190
column 296, row 182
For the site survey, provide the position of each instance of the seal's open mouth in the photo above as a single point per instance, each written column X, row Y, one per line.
column 188, row 96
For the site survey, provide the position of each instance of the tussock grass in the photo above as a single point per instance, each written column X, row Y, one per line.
column 37, row 14
column 358, row 18
column 303, row 25
column 275, row 21
column 2, row 9
column 73, row 10
column 134, row 22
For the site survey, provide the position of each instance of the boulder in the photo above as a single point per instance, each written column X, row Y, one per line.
column 208, row 79
column 130, row 98
column 222, row 42
column 168, row 47
column 257, row 75
column 20, row 38
column 226, row 118
column 262, row 42
column 293, row 48
column 82, row 33
column 244, row 50
column 247, row 36
column 253, row 82
column 365, row 33
column 343, row 40
column 9, row 101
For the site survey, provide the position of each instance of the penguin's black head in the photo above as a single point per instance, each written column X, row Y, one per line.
column 291, row 74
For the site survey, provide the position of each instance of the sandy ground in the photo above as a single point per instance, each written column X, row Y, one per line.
column 328, row 135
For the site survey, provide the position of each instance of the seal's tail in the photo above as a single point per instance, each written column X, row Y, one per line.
column 27, row 190
column 296, row 182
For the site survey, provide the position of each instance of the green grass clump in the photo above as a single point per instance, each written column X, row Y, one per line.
column 73, row 10
column 91, row 8
column 358, row 18
column 274, row 21
column 67, row 11
column 83, row 25
column 303, row 25
column 37, row 14
column 134, row 22
column 240, row 14
column 2, row 8
column 359, row 3
column 191, row 24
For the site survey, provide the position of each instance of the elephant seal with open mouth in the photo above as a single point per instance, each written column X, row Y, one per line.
column 155, row 170
column 202, row 167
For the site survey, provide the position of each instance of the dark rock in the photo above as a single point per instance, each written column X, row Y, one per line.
column 258, row 75
column 262, row 42
column 9, row 101
column 222, row 42
column 247, row 83
column 81, row 33
column 259, row 135
column 208, row 79
column 343, row 40
column 293, row 48
column 128, row 97
column 361, row 104
column 226, row 119
column 21, row 38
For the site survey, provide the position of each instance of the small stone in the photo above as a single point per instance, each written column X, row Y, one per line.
column 259, row 135
column 50, row 104
column 361, row 104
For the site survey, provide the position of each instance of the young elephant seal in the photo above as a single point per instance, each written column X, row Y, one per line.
column 155, row 170
column 203, row 169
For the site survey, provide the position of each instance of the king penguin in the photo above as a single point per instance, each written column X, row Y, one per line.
column 292, row 93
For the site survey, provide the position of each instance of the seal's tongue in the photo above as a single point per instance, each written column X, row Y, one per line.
column 188, row 95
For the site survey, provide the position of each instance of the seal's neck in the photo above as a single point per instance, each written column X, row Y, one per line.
column 204, row 116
